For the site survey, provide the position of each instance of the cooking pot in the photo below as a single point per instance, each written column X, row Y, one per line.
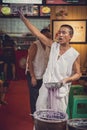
column 77, row 124
column 50, row 120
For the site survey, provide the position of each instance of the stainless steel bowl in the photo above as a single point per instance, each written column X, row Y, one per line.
column 53, row 85
column 77, row 124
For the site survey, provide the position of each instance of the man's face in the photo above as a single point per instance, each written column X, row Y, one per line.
column 64, row 35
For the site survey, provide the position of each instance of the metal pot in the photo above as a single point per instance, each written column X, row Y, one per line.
column 50, row 85
column 50, row 120
column 77, row 124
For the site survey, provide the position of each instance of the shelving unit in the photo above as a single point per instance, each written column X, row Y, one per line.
column 23, row 43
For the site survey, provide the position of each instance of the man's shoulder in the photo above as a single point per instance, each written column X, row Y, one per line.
column 32, row 47
column 55, row 45
column 74, row 50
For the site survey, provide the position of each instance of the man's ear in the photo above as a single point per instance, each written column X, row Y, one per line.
column 71, row 37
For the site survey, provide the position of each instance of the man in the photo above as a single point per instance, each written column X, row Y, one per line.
column 3, row 84
column 37, row 59
column 8, row 47
column 63, row 66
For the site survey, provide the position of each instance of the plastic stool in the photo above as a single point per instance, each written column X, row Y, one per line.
column 74, row 90
column 79, row 106
column 68, row 112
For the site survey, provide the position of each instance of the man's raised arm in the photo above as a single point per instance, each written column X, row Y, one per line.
column 35, row 31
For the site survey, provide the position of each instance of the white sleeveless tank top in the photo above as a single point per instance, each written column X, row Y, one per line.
column 61, row 68
column 41, row 60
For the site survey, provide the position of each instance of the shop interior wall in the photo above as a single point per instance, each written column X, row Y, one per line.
column 15, row 26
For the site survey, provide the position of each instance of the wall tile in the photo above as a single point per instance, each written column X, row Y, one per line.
column 15, row 25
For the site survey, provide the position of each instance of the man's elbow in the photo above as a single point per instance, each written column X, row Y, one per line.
column 79, row 75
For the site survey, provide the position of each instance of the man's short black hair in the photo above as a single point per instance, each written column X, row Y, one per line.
column 45, row 30
column 69, row 27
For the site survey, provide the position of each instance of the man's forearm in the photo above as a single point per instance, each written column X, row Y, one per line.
column 35, row 31
column 31, row 69
column 30, row 26
column 73, row 78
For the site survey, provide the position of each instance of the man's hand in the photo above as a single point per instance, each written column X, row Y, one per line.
column 20, row 13
column 34, row 81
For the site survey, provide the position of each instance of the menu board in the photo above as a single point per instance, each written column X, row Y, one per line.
column 12, row 9
column 23, row 1
column 45, row 11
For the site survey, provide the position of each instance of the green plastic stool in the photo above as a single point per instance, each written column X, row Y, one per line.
column 68, row 112
column 74, row 90
column 79, row 109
